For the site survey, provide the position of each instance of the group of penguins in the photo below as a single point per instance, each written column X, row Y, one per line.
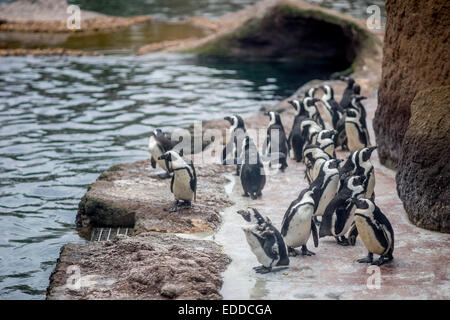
column 340, row 197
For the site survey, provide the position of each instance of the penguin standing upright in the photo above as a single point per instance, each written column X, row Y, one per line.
column 296, row 138
column 375, row 231
column 333, row 111
column 158, row 144
column 234, row 145
column 338, row 216
column 356, row 128
column 276, row 140
column 267, row 245
column 347, row 95
column 298, row 224
column 358, row 163
column 252, row 173
column 184, row 179
column 327, row 184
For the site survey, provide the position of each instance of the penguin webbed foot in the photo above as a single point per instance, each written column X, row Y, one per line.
column 306, row 252
column 367, row 259
column 381, row 260
column 175, row 206
column 262, row 269
column 342, row 241
column 187, row 204
column 292, row 252
column 164, row 175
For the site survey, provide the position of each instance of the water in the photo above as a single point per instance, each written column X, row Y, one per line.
column 65, row 120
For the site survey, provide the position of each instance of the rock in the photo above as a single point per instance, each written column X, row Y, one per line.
column 424, row 168
column 165, row 269
column 416, row 51
column 131, row 195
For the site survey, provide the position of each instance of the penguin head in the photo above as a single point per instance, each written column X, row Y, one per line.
column 274, row 117
column 173, row 159
column 297, row 105
column 158, row 132
column 328, row 90
column 352, row 113
column 333, row 163
column 327, row 134
column 365, row 153
column 311, row 92
column 356, row 89
column 361, row 203
column 355, row 183
column 236, row 122
column 253, row 216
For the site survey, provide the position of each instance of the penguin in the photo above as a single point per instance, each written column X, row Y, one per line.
column 314, row 157
column 326, row 141
column 296, row 139
column 356, row 130
column 337, row 219
column 312, row 111
column 327, row 184
column 347, row 95
column 375, row 231
column 184, row 179
column 355, row 103
column 267, row 245
column 309, row 130
column 358, row 163
column 333, row 110
column 158, row 144
column 234, row 145
column 252, row 173
column 276, row 135
column 298, row 224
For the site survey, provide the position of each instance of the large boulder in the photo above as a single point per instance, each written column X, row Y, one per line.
column 416, row 51
column 424, row 168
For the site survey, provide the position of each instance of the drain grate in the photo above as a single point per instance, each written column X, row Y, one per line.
column 105, row 234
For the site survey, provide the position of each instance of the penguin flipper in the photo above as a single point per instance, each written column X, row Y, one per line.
column 171, row 183
column 153, row 162
column 314, row 233
column 352, row 234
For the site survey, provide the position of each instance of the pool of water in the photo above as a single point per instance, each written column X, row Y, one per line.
column 64, row 120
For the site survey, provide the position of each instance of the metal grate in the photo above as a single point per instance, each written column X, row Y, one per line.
column 105, row 234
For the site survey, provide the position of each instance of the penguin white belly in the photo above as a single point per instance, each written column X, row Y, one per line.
column 316, row 169
column 155, row 151
column 181, row 186
column 353, row 141
column 299, row 228
column 368, row 236
column 370, row 185
column 327, row 195
column 257, row 250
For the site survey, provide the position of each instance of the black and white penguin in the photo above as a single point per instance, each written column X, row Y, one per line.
column 252, row 173
column 356, row 130
column 276, row 140
column 333, row 111
column 234, row 145
column 158, row 144
column 347, row 94
column 312, row 111
column 309, row 130
column 184, row 179
column 298, row 224
column 314, row 157
column 327, row 184
column 338, row 216
column 375, row 231
column 326, row 141
column 296, row 139
column 267, row 245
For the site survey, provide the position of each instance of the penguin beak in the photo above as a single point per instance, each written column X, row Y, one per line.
column 163, row 157
column 353, row 201
column 228, row 119
column 361, row 98
column 315, row 100
column 371, row 149
column 266, row 113
column 245, row 214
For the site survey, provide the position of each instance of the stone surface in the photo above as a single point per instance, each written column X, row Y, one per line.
column 415, row 57
column 149, row 266
column 423, row 177
column 131, row 194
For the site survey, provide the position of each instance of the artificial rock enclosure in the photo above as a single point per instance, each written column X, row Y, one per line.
column 412, row 133
column 411, row 122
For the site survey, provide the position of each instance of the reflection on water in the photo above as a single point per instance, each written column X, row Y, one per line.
column 126, row 39
column 65, row 120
